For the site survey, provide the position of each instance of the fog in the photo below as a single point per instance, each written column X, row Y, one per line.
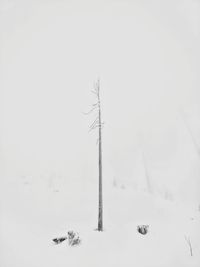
column 146, row 55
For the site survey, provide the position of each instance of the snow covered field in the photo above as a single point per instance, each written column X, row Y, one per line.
column 146, row 54
column 31, row 215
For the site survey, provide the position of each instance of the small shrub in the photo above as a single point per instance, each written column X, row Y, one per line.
column 73, row 239
column 143, row 229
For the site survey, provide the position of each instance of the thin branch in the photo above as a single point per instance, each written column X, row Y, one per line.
column 96, row 104
column 97, row 126
column 94, row 122
column 94, row 127
column 90, row 111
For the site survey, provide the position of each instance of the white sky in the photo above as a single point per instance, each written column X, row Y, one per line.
column 146, row 54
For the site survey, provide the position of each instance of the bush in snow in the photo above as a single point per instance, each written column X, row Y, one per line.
column 73, row 239
column 143, row 229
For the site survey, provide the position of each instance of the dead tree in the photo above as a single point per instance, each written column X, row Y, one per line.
column 97, row 124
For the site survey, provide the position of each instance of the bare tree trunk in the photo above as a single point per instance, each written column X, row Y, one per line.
column 97, row 123
column 100, row 215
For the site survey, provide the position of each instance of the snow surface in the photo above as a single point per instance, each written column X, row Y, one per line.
column 32, row 215
column 147, row 56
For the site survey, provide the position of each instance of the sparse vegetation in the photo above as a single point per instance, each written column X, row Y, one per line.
column 73, row 239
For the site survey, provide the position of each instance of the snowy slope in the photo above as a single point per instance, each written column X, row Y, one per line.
column 32, row 215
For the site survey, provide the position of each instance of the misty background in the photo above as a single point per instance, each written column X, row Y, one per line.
column 147, row 57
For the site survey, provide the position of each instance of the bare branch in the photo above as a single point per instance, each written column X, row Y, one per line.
column 94, row 127
column 90, row 111
column 96, row 104
column 94, row 122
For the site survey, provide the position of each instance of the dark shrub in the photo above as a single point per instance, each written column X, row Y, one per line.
column 73, row 239
column 143, row 229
